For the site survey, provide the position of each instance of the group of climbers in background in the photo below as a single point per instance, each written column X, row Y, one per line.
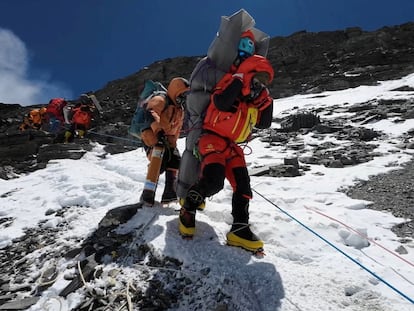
column 227, row 97
column 77, row 117
column 66, row 119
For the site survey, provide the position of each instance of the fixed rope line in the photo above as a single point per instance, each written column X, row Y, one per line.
column 338, row 249
column 360, row 234
column 116, row 137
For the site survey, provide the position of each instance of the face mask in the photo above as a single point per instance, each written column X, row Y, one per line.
column 246, row 47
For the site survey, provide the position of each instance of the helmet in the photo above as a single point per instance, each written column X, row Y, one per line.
column 178, row 86
column 246, row 44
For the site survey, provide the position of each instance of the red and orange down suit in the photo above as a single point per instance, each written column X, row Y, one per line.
column 239, row 102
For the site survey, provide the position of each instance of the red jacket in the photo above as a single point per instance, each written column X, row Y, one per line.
column 233, row 112
column 82, row 116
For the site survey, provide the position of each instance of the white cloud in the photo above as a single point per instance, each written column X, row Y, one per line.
column 15, row 84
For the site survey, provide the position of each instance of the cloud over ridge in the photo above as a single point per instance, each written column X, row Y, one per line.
column 16, row 85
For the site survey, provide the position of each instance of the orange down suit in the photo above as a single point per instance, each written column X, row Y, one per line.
column 168, row 119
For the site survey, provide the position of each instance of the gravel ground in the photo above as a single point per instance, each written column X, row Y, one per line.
column 394, row 192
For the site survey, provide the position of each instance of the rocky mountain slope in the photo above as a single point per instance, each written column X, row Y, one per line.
column 336, row 140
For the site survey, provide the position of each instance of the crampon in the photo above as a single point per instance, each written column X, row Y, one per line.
column 259, row 252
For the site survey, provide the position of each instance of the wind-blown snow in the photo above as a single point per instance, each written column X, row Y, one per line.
column 294, row 216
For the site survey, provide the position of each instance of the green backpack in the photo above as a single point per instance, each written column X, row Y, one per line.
column 142, row 118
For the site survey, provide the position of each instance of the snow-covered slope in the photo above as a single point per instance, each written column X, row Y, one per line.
column 324, row 250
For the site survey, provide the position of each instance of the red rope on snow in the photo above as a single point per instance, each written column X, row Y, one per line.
column 360, row 234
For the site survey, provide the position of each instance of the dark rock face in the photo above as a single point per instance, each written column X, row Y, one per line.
column 313, row 62
column 19, row 152
column 390, row 192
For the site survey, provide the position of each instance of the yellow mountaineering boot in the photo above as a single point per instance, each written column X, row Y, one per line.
column 186, row 222
column 201, row 207
column 68, row 135
column 241, row 235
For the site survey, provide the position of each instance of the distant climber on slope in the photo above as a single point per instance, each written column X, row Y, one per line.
column 54, row 115
column 78, row 115
column 71, row 118
column 35, row 119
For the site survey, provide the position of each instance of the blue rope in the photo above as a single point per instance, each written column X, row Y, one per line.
column 339, row 250
column 117, row 137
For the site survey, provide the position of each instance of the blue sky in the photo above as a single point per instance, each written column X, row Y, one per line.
column 63, row 48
